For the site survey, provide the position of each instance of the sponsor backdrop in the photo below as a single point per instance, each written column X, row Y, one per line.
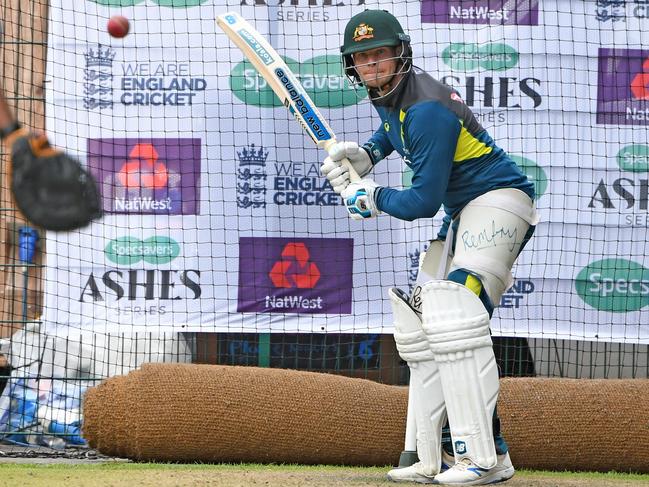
column 217, row 218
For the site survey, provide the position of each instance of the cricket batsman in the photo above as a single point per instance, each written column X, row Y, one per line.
column 443, row 329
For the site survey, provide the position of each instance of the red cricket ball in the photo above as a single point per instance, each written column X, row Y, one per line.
column 118, row 26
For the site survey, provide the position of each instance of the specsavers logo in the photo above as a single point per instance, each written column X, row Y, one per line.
column 615, row 285
column 162, row 3
column 634, row 158
column 472, row 57
column 321, row 77
column 153, row 250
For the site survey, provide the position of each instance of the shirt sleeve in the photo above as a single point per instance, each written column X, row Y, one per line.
column 430, row 133
column 379, row 146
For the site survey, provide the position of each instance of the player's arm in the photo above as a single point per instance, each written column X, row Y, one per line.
column 50, row 188
column 432, row 133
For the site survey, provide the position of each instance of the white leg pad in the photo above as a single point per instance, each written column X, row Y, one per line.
column 434, row 263
column 425, row 385
column 457, row 326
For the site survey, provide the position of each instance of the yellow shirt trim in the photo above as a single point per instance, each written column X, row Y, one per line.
column 402, row 117
column 468, row 147
column 474, row 284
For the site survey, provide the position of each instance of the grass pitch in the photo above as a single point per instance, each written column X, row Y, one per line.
column 244, row 475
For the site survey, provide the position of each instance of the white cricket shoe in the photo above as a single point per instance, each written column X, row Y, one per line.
column 465, row 472
column 413, row 473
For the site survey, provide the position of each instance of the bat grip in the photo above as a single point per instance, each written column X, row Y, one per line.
column 353, row 175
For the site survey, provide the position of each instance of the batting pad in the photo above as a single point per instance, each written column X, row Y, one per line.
column 457, row 326
column 213, row 413
column 425, row 384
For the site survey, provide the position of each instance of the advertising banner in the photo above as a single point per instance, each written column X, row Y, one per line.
column 217, row 217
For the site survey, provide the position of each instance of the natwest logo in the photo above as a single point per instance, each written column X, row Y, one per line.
column 147, row 176
column 307, row 275
column 521, row 12
column 295, row 269
column 623, row 87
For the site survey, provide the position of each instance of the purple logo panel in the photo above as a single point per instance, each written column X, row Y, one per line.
column 295, row 275
column 508, row 12
column 623, row 87
column 147, row 176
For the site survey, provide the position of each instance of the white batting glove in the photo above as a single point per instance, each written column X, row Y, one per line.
column 359, row 199
column 336, row 173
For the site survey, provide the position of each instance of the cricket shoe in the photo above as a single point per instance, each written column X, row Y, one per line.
column 465, row 472
column 414, row 473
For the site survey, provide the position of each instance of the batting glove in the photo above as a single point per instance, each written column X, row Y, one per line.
column 336, row 172
column 359, row 199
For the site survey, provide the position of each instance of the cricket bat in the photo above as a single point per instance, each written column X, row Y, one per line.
column 282, row 81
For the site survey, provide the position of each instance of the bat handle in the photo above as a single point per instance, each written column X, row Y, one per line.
column 353, row 175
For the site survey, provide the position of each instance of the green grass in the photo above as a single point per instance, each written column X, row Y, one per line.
column 586, row 475
column 118, row 474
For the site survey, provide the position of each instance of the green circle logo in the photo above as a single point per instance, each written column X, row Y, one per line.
column 634, row 158
column 616, row 285
column 322, row 78
column 130, row 250
column 534, row 173
column 462, row 56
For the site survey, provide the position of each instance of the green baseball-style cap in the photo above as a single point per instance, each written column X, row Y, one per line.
column 371, row 29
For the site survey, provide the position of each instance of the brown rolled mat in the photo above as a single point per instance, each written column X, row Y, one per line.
column 211, row 413
column 576, row 424
column 107, row 405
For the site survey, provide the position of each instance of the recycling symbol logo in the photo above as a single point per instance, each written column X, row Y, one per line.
column 294, row 269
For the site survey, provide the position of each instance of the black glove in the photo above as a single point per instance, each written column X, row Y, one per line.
column 51, row 189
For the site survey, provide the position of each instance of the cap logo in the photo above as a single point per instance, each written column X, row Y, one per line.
column 363, row 31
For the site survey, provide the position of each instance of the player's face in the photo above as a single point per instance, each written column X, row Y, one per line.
column 376, row 67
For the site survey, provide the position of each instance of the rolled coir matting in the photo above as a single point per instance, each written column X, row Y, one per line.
column 210, row 413
column 576, row 424
column 206, row 413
